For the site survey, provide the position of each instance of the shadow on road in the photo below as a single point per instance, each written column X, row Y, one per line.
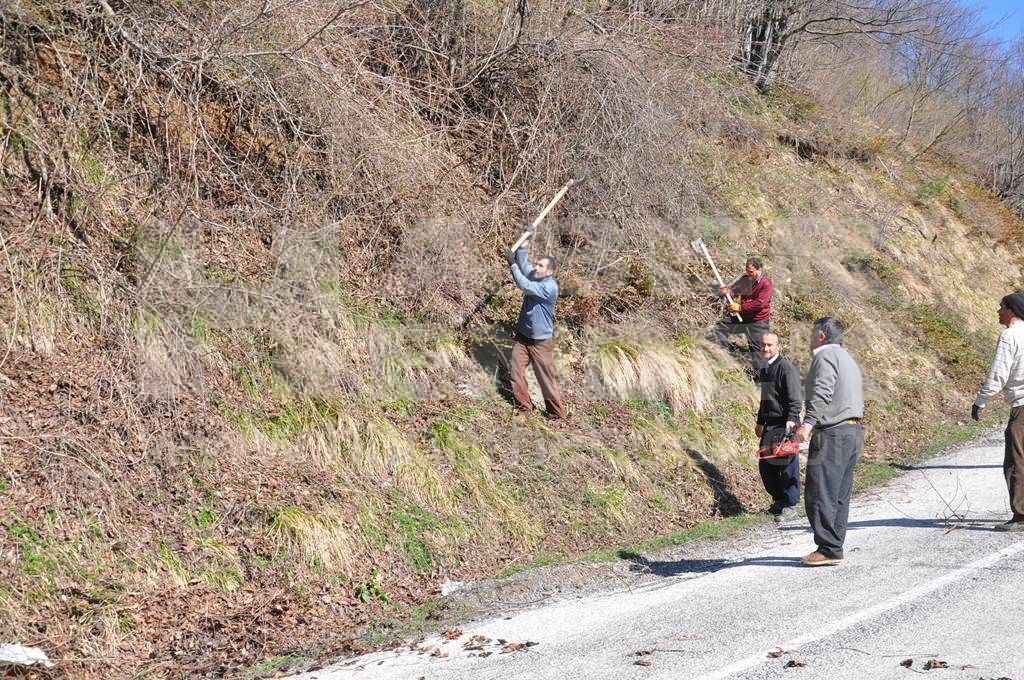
column 900, row 466
column 911, row 523
column 678, row 567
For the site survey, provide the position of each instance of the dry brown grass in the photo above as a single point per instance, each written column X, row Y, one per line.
column 232, row 276
column 680, row 375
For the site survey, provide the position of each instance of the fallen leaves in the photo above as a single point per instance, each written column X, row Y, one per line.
column 517, row 647
column 907, row 663
column 775, row 653
column 932, row 664
column 795, row 663
column 642, row 662
column 480, row 644
column 452, row 634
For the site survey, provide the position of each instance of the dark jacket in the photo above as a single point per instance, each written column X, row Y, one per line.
column 755, row 298
column 781, row 394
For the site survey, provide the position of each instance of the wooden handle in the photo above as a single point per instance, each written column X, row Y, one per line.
column 721, row 283
column 521, row 241
column 544, row 213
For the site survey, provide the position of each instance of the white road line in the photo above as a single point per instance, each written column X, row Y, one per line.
column 865, row 614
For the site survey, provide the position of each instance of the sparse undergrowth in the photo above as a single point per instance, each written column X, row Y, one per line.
column 253, row 382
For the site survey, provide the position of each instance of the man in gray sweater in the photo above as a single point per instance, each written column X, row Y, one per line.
column 834, row 407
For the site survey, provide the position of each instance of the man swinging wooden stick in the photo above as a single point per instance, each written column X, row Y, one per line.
column 533, row 338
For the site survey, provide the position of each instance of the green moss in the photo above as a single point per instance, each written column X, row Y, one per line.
column 412, row 522
column 273, row 667
column 956, row 351
column 934, row 188
column 36, row 557
column 956, row 204
column 511, row 570
column 648, row 407
column 870, row 262
column 659, row 502
column 371, row 590
column 223, row 578
column 204, row 518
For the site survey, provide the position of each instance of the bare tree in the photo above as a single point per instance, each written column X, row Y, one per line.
column 768, row 29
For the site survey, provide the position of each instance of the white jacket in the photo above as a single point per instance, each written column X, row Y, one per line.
column 1006, row 374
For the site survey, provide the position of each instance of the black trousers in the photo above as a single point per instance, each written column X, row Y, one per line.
column 831, row 457
column 780, row 476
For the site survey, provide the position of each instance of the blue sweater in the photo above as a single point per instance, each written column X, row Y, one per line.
column 537, row 317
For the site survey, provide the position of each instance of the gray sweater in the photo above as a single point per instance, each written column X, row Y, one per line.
column 833, row 388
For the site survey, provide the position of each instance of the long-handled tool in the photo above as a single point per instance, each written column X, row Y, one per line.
column 699, row 248
column 548, row 208
column 494, row 287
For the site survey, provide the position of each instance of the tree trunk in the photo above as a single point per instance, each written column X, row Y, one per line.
column 765, row 32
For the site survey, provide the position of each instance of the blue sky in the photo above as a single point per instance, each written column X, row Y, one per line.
column 1011, row 12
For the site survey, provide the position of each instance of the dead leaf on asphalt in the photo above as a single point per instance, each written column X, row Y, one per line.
column 932, row 664
column 907, row 663
column 643, row 652
column 515, row 647
column 642, row 662
column 795, row 663
column 775, row 653
column 452, row 634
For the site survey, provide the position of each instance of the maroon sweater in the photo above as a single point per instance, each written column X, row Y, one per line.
column 756, row 300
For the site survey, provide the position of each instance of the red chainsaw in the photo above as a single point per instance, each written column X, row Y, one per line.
column 783, row 448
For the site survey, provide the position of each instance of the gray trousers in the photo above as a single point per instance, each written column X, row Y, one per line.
column 753, row 332
column 831, row 457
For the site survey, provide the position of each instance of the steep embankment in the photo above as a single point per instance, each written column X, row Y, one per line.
column 253, row 375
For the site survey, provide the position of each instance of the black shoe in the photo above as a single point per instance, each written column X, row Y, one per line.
column 1015, row 524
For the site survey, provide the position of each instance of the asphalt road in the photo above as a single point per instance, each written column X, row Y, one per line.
column 924, row 579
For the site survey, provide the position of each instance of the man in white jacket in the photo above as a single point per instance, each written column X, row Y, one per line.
column 1006, row 375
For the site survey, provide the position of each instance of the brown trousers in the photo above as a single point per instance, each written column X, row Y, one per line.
column 1013, row 461
column 542, row 355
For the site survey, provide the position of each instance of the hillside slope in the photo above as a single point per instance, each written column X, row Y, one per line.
column 255, row 310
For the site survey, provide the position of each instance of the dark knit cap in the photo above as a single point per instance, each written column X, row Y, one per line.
column 1015, row 303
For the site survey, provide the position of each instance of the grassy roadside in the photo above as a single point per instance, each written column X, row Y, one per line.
column 435, row 614
column 431, row 615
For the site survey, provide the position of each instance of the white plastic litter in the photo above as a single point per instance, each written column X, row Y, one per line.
column 19, row 655
column 449, row 587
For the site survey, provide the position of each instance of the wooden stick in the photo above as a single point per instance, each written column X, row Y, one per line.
column 721, row 283
column 544, row 213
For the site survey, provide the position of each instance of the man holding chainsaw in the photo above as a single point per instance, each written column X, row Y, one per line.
column 834, row 408
column 534, row 331
column 750, row 311
column 781, row 403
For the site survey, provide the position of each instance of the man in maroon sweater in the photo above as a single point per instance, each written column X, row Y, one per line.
column 753, row 302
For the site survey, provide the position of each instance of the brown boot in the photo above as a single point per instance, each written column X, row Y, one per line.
column 816, row 559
